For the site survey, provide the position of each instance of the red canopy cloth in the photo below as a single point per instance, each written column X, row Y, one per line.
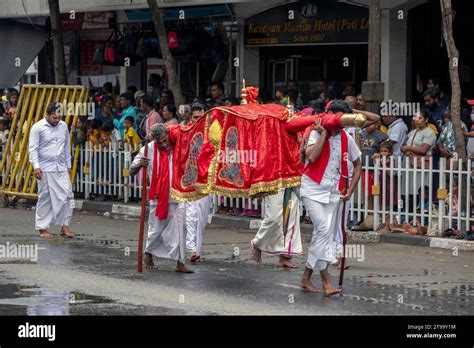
column 236, row 151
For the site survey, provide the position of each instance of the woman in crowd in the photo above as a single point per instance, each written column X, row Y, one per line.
column 169, row 114
column 418, row 149
column 167, row 97
column 447, row 141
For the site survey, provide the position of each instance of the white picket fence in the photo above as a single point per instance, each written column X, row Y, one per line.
column 106, row 175
column 400, row 185
column 397, row 183
column 103, row 171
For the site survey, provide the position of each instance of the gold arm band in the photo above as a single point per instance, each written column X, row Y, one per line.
column 356, row 120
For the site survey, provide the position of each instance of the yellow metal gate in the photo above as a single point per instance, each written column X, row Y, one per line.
column 17, row 172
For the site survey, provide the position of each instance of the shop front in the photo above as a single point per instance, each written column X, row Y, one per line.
column 123, row 48
column 309, row 42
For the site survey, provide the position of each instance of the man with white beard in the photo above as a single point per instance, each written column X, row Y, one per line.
column 166, row 222
column 50, row 155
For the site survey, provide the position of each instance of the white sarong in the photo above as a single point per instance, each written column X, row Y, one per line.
column 197, row 213
column 326, row 219
column 167, row 238
column 269, row 237
column 55, row 200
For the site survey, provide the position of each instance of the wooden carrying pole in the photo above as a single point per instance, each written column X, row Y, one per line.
column 344, row 235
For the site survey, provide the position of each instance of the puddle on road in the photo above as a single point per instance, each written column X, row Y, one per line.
column 42, row 301
column 110, row 243
column 415, row 295
column 32, row 300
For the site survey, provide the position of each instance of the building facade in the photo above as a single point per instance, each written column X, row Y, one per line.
column 266, row 42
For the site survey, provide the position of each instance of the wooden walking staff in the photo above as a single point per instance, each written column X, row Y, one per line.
column 344, row 235
column 142, row 214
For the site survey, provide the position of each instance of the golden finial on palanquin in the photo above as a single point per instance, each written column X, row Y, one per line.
column 289, row 107
column 243, row 93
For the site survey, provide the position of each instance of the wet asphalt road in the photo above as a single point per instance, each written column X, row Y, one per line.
column 95, row 274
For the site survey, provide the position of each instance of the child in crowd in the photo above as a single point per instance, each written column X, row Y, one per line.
column 3, row 131
column 78, row 139
column 131, row 137
column 383, row 158
column 281, row 95
column 79, row 135
column 93, row 133
column 94, row 139
column 384, row 155
column 452, row 201
column 386, row 150
column 3, row 134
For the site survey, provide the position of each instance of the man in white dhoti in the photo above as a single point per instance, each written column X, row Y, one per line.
column 323, row 192
column 271, row 238
column 196, row 212
column 50, row 155
column 166, row 222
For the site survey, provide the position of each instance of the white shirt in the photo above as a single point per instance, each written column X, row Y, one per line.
column 328, row 188
column 116, row 138
column 49, row 147
column 397, row 132
column 352, row 131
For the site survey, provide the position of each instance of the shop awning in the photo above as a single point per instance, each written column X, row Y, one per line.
column 173, row 13
column 21, row 43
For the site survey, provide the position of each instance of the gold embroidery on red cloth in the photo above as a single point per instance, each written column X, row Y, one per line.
column 190, row 174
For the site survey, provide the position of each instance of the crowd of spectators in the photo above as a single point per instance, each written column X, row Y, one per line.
column 123, row 121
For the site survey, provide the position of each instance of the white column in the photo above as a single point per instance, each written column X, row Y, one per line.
column 133, row 76
column 251, row 58
column 123, row 79
column 393, row 53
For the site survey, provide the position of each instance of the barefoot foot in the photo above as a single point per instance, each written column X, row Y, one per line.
column 256, row 254
column 66, row 232
column 192, row 256
column 45, row 234
column 330, row 291
column 307, row 285
column 181, row 268
column 286, row 262
column 148, row 260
